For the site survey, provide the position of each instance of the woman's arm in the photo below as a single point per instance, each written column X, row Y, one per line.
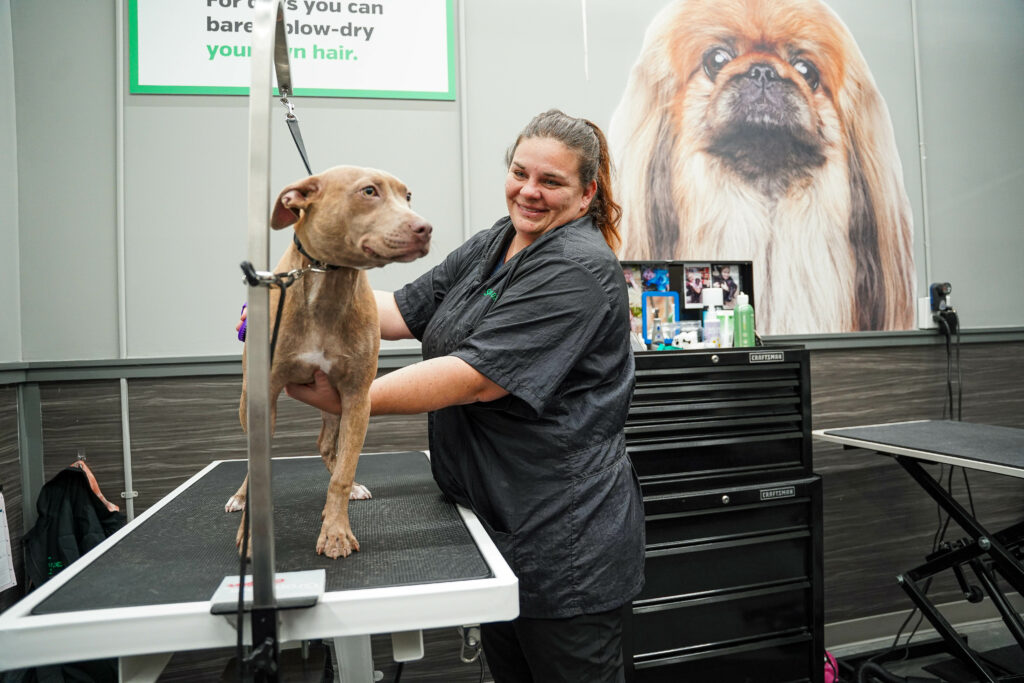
column 392, row 324
column 418, row 388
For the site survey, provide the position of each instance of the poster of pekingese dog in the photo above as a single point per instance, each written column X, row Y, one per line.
column 753, row 130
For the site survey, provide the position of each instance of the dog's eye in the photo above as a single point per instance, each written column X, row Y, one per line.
column 369, row 191
column 714, row 59
column 809, row 72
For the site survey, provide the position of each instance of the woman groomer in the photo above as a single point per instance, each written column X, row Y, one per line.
column 528, row 377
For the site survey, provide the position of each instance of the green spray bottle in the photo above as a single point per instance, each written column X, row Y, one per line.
column 743, row 321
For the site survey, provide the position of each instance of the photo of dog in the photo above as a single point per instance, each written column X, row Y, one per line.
column 753, row 130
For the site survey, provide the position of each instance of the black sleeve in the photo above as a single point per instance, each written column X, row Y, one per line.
column 538, row 329
column 418, row 300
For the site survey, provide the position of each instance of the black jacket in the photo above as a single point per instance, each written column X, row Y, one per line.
column 72, row 520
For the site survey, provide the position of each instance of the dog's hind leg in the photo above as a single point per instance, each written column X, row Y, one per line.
column 237, row 501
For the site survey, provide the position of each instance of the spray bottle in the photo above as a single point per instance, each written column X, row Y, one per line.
column 743, row 321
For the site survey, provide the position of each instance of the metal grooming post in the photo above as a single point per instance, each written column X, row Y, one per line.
column 269, row 48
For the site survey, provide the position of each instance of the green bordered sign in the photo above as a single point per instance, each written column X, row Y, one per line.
column 396, row 49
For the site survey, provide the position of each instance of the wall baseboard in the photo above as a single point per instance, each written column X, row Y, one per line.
column 845, row 638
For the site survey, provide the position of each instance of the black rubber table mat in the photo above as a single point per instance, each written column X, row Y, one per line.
column 982, row 443
column 408, row 534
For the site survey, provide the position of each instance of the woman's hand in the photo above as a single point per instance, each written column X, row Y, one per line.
column 319, row 394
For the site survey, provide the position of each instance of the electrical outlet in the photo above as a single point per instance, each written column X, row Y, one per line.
column 925, row 321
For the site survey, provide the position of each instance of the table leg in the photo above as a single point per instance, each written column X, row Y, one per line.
column 142, row 668
column 1002, row 559
column 355, row 659
column 1009, row 614
column 957, row 646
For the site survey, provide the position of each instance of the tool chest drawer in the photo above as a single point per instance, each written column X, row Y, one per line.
column 689, row 512
column 757, row 532
column 730, row 411
column 788, row 659
column 721, row 618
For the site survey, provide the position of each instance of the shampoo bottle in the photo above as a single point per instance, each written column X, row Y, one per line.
column 743, row 321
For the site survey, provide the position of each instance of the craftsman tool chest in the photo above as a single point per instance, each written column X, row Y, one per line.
column 721, row 443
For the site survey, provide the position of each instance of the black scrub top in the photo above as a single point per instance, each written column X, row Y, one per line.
column 545, row 468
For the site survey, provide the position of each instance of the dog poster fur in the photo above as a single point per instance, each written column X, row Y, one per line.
column 753, row 130
column 352, row 219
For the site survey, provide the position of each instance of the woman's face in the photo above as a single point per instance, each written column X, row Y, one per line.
column 542, row 188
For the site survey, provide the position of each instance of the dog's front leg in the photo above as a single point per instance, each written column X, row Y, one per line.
column 336, row 537
column 327, row 446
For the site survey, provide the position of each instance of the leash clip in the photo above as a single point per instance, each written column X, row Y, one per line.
column 290, row 115
column 258, row 278
column 283, row 280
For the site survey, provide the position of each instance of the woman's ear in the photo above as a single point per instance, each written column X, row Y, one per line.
column 588, row 195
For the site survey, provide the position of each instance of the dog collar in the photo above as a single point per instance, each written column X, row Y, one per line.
column 316, row 263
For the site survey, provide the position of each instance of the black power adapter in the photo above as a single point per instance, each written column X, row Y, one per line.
column 944, row 314
column 938, row 292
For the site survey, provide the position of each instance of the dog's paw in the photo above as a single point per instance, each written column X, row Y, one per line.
column 235, row 504
column 336, row 541
column 359, row 492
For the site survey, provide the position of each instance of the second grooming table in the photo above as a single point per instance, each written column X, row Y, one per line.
column 962, row 444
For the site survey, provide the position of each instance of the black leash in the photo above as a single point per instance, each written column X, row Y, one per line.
column 282, row 281
column 293, row 126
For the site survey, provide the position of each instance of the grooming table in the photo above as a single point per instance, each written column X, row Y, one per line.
column 144, row 593
column 962, row 444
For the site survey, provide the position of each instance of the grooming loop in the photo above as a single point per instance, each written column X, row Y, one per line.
column 269, row 58
column 263, row 278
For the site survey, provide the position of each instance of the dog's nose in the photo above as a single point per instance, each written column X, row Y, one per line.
column 422, row 229
column 763, row 73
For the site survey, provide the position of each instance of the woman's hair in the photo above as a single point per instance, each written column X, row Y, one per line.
column 588, row 142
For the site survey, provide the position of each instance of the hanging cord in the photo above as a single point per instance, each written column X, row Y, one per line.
column 949, row 325
column 872, row 669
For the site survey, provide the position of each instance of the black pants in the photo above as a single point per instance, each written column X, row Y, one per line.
column 583, row 649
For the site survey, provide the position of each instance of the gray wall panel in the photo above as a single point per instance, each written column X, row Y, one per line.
column 186, row 229
column 64, row 91
column 10, row 285
column 972, row 60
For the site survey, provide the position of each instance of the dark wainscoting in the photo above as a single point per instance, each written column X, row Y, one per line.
column 10, row 481
column 878, row 523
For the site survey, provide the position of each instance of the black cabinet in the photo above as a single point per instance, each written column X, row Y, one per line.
column 721, row 442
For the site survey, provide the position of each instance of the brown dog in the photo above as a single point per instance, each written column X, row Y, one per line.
column 353, row 219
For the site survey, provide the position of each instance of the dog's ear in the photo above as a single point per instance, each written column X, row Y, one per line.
column 292, row 200
column 637, row 137
column 881, row 219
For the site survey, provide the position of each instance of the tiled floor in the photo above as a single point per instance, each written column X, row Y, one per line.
column 981, row 636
